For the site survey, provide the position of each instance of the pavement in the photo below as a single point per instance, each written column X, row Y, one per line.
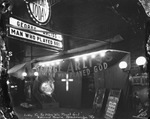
column 55, row 112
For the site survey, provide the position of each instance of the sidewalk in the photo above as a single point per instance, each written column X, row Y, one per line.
column 65, row 113
column 54, row 113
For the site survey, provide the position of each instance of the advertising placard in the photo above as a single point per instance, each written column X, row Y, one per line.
column 98, row 100
column 112, row 103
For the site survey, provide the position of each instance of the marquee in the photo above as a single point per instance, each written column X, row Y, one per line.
column 34, row 34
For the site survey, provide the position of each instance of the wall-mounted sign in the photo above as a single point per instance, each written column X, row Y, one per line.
column 34, row 34
column 82, row 67
column 140, row 80
column 39, row 10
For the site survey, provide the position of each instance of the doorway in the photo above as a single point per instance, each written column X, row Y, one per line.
column 88, row 91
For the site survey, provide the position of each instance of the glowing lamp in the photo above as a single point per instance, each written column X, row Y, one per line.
column 24, row 74
column 36, row 74
column 77, row 59
column 47, row 64
column 8, row 82
column 42, row 64
column 123, row 65
column 140, row 60
column 93, row 56
column 57, row 62
column 102, row 53
column 84, row 57
column 52, row 63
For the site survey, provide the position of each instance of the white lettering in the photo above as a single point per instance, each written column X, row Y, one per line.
column 84, row 66
column 35, row 38
column 77, row 66
column 95, row 69
column 101, row 67
column 32, row 28
column 105, row 65
column 70, row 67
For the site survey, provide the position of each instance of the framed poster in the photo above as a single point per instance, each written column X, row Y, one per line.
column 112, row 103
column 98, row 100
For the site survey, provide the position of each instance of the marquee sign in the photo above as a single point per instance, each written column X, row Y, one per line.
column 40, row 11
column 34, row 34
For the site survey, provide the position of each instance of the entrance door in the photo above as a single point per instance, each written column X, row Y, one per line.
column 88, row 91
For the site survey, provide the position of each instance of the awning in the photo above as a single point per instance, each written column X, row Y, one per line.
column 17, row 70
column 81, row 50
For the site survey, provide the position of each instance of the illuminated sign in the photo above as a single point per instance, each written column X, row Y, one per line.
column 18, row 23
column 34, row 34
column 39, row 10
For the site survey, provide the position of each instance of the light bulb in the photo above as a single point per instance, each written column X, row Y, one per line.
column 123, row 65
column 140, row 60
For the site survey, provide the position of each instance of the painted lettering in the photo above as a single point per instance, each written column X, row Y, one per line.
column 88, row 71
column 101, row 67
column 84, row 66
column 105, row 65
column 95, row 69
column 70, row 67
column 90, row 62
column 77, row 66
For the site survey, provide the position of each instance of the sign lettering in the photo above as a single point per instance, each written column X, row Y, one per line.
column 33, row 37
column 34, row 34
column 18, row 23
column 73, row 70
column 40, row 11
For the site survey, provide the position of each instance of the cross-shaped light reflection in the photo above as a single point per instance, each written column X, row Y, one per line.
column 67, row 81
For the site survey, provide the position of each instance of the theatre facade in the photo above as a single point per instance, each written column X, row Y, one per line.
column 43, row 73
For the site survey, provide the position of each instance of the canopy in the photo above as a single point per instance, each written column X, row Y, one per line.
column 17, row 70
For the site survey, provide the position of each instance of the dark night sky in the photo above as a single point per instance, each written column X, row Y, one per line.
column 83, row 20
